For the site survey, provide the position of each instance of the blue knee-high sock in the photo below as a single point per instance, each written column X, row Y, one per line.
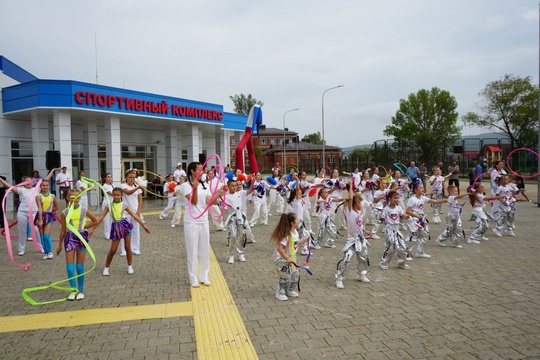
column 47, row 243
column 70, row 268
column 80, row 279
column 28, row 230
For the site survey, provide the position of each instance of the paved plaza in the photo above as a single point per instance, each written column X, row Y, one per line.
column 478, row 302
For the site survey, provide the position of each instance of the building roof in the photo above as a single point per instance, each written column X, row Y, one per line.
column 268, row 131
column 494, row 148
column 301, row 146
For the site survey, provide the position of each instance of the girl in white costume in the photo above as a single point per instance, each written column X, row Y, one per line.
column 395, row 242
column 168, row 191
column 196, row 227
column 356, row 243
column 318, row 180
column 181, row 203
column 133, row 198
column 337, row 193
column 260, row 187
column 275, row 196
column 437, row 182
column 477, row 199
column 326, row 206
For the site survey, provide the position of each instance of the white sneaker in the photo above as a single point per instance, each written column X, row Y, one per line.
column 195, row 285
column 383, row 266
column 251, row 225
column 230, row 260
column 509, row 233
column 497, row 232
column 362, row 277
column 375, row 236
column 29, row 239
column 122, row 254
column 106, row 271
column 440, row 243
column 339, row 284
column 224, row 229
column 130, row 270
column 45, row 257
column 172, row 225
column 21, row 253
column 304, row 252
column 404, row 266
column 207, row 283
column 242, row 258
column 470, row 241
column 422, row 255
column 50, row 255
column 457, row 246
column 484, row 238
column 72, row 296
column 292, row 293
column 409, row 257
column 317, row 247
column 281, row 297
column 161, row 217
column 79, row 296
column 330, row 244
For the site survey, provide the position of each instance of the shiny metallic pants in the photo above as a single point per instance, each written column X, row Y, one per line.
column 395, row 243
column 454, row 228
column 289, row 277
column 358, row 246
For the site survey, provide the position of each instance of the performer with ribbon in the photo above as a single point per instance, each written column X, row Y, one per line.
column 133, row 198
column 356, row 243
column 454, row 226
column 287, row 240
column 107, row 200
column 418, row 224
column 120, row 228
column 77, row 217
column 47, row 205
column 252, row 127
column 478, row 199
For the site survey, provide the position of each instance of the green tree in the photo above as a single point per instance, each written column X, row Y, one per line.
column 243, row 103
column 510, row 105
column 314, row 138
column 425, row 122
column 360, row 158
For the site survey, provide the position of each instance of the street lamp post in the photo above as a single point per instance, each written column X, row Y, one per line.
column 284, row 149
column 332, row 88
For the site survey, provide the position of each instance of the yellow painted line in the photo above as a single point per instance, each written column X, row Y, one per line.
column 220, row 332
column 150, row 213
column 94, row 316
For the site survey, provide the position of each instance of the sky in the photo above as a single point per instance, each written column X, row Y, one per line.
column 284, row 53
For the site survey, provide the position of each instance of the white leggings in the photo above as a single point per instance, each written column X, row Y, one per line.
column 197, row 240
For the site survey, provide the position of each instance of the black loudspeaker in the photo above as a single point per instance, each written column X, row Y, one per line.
column 52, row 159
column 458, row 149
column 202, row 158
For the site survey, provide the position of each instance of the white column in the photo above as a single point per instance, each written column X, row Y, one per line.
column 192, row 142
column 91, row 161
column 223, row 148
column 209, row 143
column 114, row 149
column 172, row 156
column 40, row 141
column 62, row 136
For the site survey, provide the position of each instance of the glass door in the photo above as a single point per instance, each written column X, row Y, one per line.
column 139, row 164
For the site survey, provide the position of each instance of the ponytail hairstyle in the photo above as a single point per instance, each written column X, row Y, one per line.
column 284, row 227
column 415, row 182
column 473, row 190
column 192, row 168
column 389, row 195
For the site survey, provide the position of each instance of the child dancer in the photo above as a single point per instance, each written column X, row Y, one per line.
column 82, row 186
column 107, row 199
column 477, row 198
column 437, row 192
column 243, row 194
column 181, row 203
column 379, row 202
column 287, row 240
column 275, row 196
column 120, row 229
column 506, row 207
column 236, row 223
column 356, row 244
column 418, row 224
column 520, row 184
column 337, row 193
column 133, row 198
column 25, row 201
column 395, row 242
column 168, row 191
column 318, row 180
column 260, row 188
column 47, row 205
column 74, row 247
column 326, row 225
column 367, row 190
column 297, row 206
column 454, row 227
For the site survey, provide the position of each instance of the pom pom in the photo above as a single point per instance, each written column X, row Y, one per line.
column 312, row 192
column 229, row 175
column 242, row 177
column 249, row 178
column 271, row 180
column 141, row 181
column 172, row 185
column 292, row 185
column 328, row 184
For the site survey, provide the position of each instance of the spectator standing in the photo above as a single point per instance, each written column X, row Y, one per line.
column 453, row 170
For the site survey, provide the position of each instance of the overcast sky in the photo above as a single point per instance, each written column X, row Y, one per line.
column 284, row 53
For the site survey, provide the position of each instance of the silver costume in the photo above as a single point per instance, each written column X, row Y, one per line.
column 454, row 228
column 326, row 226
column 419, row 232
column 237, row 225
column 506, row 215
column 376, row 220
column 358, row 246
column 482, row 224
column 437, row 208
column 395, row 242
column 289, row 278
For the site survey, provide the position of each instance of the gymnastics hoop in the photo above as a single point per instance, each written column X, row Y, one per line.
column 400, row 168
column 513, row 172
column 212, row 193
column 385, row 171
column 324, row 171
column 152, row 173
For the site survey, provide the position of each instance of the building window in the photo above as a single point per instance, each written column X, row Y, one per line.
column 233, row 142
column 263, row 141
column 331, row 159
column 280, row 141
column 272, row 141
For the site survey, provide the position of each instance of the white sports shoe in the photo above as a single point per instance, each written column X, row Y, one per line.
column 383, row 266
column 470, row 241
column 106, row 271
column 281, row 297
column 375, row 236
column 292, row 293
column 422, row 255
column 339, row 284
column 440, row 243
column 242, row 258
column 497, row 232
column 231, row 260
column 362, row 277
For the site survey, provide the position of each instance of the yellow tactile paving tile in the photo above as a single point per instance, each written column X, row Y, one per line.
column 219, row 330
column 94, row 316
